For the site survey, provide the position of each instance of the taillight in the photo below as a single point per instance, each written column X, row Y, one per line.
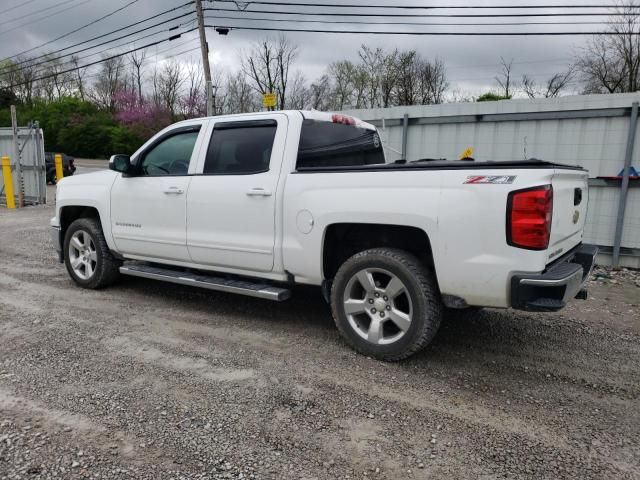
column 529, row 214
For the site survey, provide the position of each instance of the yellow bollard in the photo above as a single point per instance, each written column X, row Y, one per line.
column 8, row 182
column 59, row 171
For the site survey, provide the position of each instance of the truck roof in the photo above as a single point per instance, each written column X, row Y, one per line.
column 306, row 114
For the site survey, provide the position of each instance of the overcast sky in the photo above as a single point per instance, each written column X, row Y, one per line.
column 471, row 62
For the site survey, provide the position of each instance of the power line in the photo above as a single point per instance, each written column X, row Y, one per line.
column 88, row 25
column 446, row 34
column 355, row 22
column 32, row 13
column 19, row 5
column 106, row 59
column 114, row 47
column 11, row 69
column 417, row 7
column 413, row 15
column 94, row 75
column 47, row 17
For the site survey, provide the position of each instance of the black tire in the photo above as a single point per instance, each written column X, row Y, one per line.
column 107, row 267
column 51, row 174
column 419, row 285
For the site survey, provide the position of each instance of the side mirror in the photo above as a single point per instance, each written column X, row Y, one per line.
column 120, row 163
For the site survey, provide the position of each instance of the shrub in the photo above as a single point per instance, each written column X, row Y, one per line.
column 492, row 97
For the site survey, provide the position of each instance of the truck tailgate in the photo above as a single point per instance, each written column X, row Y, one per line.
column 570, row 199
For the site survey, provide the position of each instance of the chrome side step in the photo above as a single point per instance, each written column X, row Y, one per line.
column 243, row 287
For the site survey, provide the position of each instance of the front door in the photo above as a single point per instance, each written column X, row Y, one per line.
column 232, row 204
column 148, row 208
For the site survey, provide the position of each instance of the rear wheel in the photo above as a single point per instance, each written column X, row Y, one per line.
column 87, row 256
column 386, row 303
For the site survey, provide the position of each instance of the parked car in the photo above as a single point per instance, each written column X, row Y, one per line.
column 257, row 203
column 68, row 166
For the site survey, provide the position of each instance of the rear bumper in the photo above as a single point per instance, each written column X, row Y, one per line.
column 550, row 290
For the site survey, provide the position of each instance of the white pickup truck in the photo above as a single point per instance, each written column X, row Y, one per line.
column 257, row 203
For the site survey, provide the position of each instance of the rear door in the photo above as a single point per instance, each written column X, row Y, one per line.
column 570, row 199
column 232, row 200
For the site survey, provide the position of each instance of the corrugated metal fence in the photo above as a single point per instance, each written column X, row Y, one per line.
column 31, row 171
column 589, row 130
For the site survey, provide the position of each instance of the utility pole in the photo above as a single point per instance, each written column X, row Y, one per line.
column 204, row 47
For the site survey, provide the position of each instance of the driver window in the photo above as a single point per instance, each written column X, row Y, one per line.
column 171, row 156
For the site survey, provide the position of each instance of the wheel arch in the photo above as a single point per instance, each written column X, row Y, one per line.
column 342, row 240
column 70, row 213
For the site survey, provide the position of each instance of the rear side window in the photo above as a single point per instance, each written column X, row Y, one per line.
column 327, row 144
column 240, row 148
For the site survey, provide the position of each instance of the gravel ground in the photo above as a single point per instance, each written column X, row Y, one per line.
column 151, row 380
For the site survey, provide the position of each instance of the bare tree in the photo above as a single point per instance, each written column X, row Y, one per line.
column 360, row 84
column 409, row 79
column 137, row 62
column 610, row 63
column 170, row 81
column 433, row 81
column 342, row 74
column 56, row 81
column 286, row 53
column 192, row 103
column 110, row 81
column 19, row 77
column 298, row 96
column 240, row 95
column 155, row 87
column 504, row 78
column 551, row 88
column 388, row 78
column 79, row 75
column 320, row 92
column 372, row 63
column 260, row 66
column 268, row 64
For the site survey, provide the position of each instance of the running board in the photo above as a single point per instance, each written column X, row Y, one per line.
column 243, row 287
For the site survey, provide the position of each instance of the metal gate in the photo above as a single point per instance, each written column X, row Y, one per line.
column 28, row 169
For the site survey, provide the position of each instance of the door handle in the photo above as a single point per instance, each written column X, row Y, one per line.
column 174, row 190
column 258, row 192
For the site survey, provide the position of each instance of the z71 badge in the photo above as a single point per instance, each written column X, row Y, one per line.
column 492, row 179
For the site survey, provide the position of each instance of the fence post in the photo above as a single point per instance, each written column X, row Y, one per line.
column 405, row 133
column 59, row 170
column 16, row 150
column 624, row 189
column 8, row 182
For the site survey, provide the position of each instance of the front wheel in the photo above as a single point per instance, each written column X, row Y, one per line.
column 386, row 303
column 87, row 257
